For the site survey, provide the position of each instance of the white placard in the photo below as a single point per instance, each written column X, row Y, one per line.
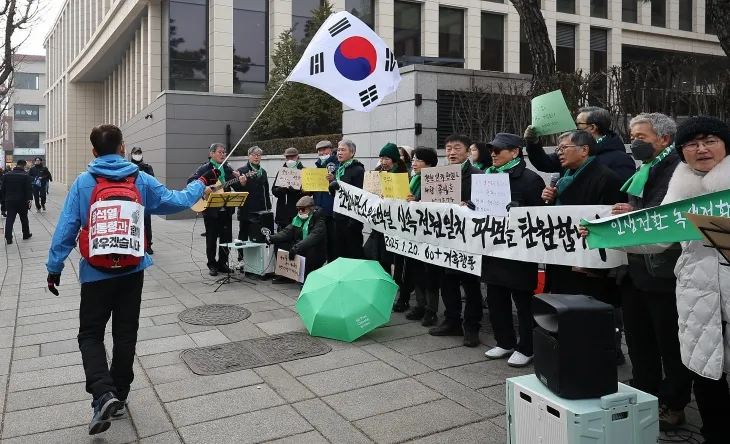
column 116, row 227
column 289, row 177
column 292, row 269
column 443, row 257
column 491, row 193
column 441, row 184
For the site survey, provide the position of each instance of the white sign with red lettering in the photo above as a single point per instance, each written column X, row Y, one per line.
column 116, row 227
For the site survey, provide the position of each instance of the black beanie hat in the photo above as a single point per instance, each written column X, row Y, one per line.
column 705, row 125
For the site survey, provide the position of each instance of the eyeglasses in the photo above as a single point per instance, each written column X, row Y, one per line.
column 582, row 123
column 255, row 155
column 694, row 145
column 497, row 150
column 561, row 148
column 302, row 209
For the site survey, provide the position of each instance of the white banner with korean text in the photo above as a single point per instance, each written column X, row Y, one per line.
column 443, row 257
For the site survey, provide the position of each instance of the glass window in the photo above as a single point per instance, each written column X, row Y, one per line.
column 565, row 48
column 451, row 33
column 525, row 56
column 189, row 45
column 301, row 14
column 27, row 113
column 599, row 63
column 492, row 42
column 27, row 140
column 407, row 29
column 250, row 41
column 23, row 80
column 362, row 9
column 494, row 1
column 630, row 11
column 599, row 8
column 709, row 24
column 567, row 6
column 686, row 8
column 659, row 13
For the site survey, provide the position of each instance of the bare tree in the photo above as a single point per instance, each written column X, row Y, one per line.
column 15, row 15
column 538, row 39
column 720, row 12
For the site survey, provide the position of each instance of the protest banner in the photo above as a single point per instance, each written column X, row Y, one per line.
column 665, row 223
column 292, row 269
column 443, row 257
column 550, row 114
column 491, row 193
column 395, row 185
column 289, row 177
column 532, row 234
column 441, row 184
column 315, row 179
column 372, row 184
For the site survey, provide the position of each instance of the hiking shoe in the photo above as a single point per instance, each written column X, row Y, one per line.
column 450, row 327
column 121, row 410
column 670, row 419
column 519, row 360
column 471, row 339
column 429, row 319
column 104, row 408
column 499, row 353
column 415, row 314
column 212, row 271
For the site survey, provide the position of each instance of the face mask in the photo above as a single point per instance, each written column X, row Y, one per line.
column 304, row 216
column 137, row 157
column 291, row 163
column 642, row 150
column 324, row 157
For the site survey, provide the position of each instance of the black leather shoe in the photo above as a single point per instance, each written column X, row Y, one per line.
column 415, row 314
column 471, row 339
column 9, row 241
column 429, row 319
column 212, row 271
column 401, row 305
column 223, row 268
column 28, row 236
column 450, row 327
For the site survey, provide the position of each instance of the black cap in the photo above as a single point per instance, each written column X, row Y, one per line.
column 704, row 125
column 506, row 140
column 136, row 150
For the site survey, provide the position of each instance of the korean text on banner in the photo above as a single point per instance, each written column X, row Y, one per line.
column 372, row 183
column 395, row 185
column 491, row 193
column 443, row 257
column 315, row 179
column 292, row 269
column 116, row 227
column 550, row 114
column 441, row 184
column 665, row 223
column 289, row 177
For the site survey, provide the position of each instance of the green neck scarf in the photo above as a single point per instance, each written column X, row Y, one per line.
column 600, row 139
column 221, row 170
column 296, row 165
column 507, row 166
column 415, row 186
column 636, row 183
column 479, row 165
column 303, row 224
column 570, row 176
column 394, row 169
column 341, row 168
column 257, row 168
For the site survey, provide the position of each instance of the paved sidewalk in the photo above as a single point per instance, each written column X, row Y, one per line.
column 397, row 384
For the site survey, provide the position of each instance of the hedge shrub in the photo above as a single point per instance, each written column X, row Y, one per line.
column 305, row 145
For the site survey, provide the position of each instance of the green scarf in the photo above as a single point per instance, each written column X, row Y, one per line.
column 636, row 183
column 507, row 166
column 258, row 169
column 341, row 169
column 394, row 169
column 296, row 165
column 479, row 165
column 570, row 176
column 415, row 186
column 303, row 224
column 220, row 169
column 600, row 139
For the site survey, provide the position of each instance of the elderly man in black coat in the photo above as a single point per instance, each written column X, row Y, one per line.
column 257, row 186
column 306, row 235
column 16, row 193
column 348, row 232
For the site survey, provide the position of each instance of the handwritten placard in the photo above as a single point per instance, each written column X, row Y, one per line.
column 441, row 184
column 442, row 256
column 550, row 114
column 491, row 193
column 372, row 183
column 289, row 177
column 315, row 179
column 395, row 185
column 292, row 269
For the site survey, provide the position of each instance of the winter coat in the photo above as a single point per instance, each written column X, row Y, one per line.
column 314, row 247
column 286, row 202
column 75, row 213
column 147, row 168
column 467, row 170
column 258, row 198
column 375, row 245
column 611, row 153
column 703, row 281
column 354, row 175
column 655, row 272
column 204, row 168
column 42, row 172
column 526, row 188
column 324, row 199
column 17, row 187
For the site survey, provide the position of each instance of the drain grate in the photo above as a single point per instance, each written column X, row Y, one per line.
column 214, row 314
column 241, row 355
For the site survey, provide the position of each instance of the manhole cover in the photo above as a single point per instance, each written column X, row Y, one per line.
column 251, row 353
column 214, row 314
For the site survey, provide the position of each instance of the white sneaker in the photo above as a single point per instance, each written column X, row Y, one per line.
column 519, row 360
column 498, row 353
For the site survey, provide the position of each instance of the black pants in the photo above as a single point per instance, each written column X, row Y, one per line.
column 217, row 229
column 650, row 323
column 19, row 209
column 426, row 279
column 348, row 239
column 39, row 195
column 148, row 228
column 329, row 222
column 405, row 285
column 118, row 298
column 713, row 402
column 500, row 299
column 451, row 294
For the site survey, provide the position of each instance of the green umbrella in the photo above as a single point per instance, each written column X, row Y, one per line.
column 346, row 298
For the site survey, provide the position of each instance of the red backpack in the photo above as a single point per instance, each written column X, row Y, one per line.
column 113, row 238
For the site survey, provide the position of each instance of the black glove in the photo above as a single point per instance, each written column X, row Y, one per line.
column 292, row 253
column 210, row 177
column 53, row 279
column 512, row 204
column 470, row 205
column 334, row 186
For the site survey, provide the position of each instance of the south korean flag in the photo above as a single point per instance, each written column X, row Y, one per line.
column 348, row 61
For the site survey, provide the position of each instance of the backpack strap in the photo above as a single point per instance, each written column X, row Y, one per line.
column 99, row 178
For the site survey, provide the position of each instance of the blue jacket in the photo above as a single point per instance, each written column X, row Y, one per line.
column 324, row 199
column 155, row 197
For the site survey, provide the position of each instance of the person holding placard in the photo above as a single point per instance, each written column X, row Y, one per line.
column 480, row 156
column 287, row 197
column 326, row 158
column 257, row 186
column 508, row 280
column 348, row 232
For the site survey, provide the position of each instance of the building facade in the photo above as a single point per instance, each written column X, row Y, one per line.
column 24, row 123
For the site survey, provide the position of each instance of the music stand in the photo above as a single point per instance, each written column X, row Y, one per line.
column 226, row 200
column 716, row 230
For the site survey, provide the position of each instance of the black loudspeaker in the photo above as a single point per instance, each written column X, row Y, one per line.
column 261, row 225
column 575, row 345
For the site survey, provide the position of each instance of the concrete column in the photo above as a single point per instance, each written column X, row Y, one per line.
column 154, row 58
column 338, row 5
column 279, row 21
column 583, row 47
column 384, row 21
column 614, row 47
column 512, row 41
column 144, row 62
column 129, row 60
column 473, row 38
column 220, row 46
column 672, row 14
column 138, row 71
column 644, row 13
column 430, row 29
column 699, row 17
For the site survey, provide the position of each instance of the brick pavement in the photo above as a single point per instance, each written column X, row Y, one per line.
column 397, row 384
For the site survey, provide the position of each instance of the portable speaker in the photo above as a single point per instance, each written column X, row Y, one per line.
column 261, row 225
column 575, row 345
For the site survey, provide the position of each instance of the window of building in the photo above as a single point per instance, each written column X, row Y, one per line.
column 565, row 48
column 362, row 9
column 709, row 24
column 407, row 29
column 451, row 33
column 24, row 80
column 27, row 140
column 494, row 1
column 659, row 13
column 599, row 63
column 301, row 15
column 525, row 56
column 599, row 8
column 26, row 113
column 686, row 8
column 492, row 42
column 630, row 11
column 250, row 46
column 567, row 6
column 189, row 45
